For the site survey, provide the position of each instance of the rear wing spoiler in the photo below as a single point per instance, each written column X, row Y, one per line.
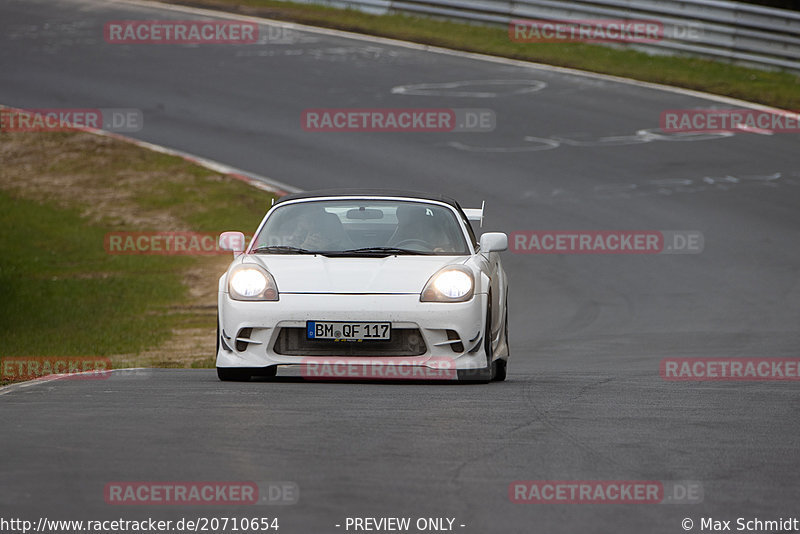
column 475, row 214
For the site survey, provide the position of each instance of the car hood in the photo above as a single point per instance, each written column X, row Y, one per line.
column 320, row 274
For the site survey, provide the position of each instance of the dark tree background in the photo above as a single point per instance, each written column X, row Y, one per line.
column 783, row 4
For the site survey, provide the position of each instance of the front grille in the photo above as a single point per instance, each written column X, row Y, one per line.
column 403, row 342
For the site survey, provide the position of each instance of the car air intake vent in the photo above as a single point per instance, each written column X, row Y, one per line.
column 241, row 344
column 457, row 347
column 403, row 342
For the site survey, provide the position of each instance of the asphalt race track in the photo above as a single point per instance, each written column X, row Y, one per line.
column 583, row 400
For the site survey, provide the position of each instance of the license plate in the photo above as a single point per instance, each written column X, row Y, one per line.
column 348, row 331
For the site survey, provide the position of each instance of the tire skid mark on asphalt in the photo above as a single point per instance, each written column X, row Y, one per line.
column 543, row 417
column 584, row 316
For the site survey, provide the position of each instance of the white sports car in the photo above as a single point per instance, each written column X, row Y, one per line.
column 365, row 285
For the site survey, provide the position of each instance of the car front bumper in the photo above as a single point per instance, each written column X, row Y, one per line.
column 452, row 332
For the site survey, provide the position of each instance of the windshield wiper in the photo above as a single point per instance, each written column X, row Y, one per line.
column 275, row 249
column 388, row 251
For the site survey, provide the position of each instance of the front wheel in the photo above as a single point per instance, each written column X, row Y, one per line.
column 243, row 374
column 500, row 366
column 233, row 374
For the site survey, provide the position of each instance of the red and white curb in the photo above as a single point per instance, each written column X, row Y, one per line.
column 15, row 386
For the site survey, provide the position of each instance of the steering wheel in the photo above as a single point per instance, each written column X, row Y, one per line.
column 423, row 243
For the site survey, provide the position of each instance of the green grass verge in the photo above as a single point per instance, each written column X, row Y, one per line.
column 63, row 294
column 778, row 89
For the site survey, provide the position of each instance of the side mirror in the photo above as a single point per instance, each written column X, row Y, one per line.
column 494, row 242
column 233, row 241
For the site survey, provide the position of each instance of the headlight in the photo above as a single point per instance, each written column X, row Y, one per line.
column 251, row 282
column 451, row 284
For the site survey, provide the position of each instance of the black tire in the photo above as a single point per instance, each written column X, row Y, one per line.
column 508, row 343
column 233, row 374
column 500, row 366
column 265, row 372
column 243, row 374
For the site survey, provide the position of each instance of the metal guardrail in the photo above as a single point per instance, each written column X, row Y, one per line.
column 731, row 31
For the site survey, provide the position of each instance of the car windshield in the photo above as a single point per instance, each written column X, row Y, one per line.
column 361, row 227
